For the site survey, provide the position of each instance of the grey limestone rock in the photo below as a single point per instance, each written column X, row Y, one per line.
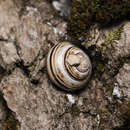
column 123, row 81
column 40, row 107
column 28, row 30
column 8, row 23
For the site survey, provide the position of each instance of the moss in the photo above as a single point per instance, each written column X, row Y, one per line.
column 77, row 24
column 86, row 12
column 100, row 67
column 75, row 111
column 104, row 114
column 11, row 123
column 125, row 111
column 113, row 35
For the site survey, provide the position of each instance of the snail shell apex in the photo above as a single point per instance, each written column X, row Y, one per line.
column 68, row 66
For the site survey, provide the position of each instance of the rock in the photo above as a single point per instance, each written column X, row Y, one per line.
column 70, row 98
column 34, row 109
column 28, row 36
column 114, row 40
column 8, row 23
column 9, row 20
column 123, row 80
column 8, row 54
column 28, row 30
column 122, row 48
column 46, row 11
column 116, row 92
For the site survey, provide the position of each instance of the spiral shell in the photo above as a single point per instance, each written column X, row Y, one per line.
column 68, row 66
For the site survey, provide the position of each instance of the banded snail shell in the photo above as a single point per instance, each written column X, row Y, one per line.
column 68, row 66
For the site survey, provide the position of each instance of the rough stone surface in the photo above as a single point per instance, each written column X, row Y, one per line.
column 28, row 39
column 35, row 110
column 9, row 19
column 8, row 23
column 123, row 81
column 9, row 54
column 28, row 29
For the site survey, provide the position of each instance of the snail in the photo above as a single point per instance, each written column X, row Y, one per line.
column 68, row 66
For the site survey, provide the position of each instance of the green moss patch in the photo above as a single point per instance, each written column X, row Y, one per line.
column 75, row 111
column 105, row 12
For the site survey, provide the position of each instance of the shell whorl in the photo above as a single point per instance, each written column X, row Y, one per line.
column 68, row 66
